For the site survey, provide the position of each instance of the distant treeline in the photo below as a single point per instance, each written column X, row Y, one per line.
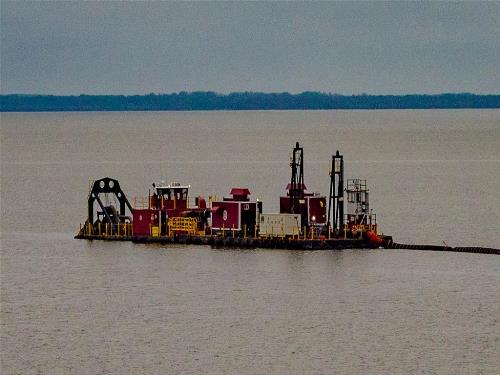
column 194, row 101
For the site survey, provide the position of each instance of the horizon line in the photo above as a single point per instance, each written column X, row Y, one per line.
column 329, row 93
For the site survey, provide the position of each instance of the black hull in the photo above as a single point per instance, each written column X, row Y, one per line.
column 242, row 243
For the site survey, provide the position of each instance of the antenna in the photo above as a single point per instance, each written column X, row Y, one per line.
column 161, row 171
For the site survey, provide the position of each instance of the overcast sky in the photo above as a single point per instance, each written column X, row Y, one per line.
column 141, row 47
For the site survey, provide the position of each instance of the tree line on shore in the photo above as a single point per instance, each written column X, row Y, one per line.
column 208, row 100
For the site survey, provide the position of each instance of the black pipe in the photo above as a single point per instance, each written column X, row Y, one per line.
column 479, row 250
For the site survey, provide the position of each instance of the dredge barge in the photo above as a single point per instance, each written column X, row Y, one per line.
column 305, row 220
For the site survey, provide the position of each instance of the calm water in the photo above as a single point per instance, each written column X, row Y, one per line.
column 70, row 306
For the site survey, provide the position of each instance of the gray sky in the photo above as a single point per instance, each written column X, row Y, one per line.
column 348, row 47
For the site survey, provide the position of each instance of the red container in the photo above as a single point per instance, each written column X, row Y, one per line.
column 311, row 207
column 317, row 210
column 143, row 220
column 226, row 215
column 236, row 212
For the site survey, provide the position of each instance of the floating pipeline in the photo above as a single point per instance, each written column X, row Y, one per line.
column 478, row 250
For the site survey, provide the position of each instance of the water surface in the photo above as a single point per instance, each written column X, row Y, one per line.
column 70, row 306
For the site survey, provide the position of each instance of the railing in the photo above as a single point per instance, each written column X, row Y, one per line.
column 160, row 203
column 107, row 230
column 359, row 229
column 186, row 225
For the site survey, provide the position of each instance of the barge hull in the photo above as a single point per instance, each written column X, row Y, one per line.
column 242, row 243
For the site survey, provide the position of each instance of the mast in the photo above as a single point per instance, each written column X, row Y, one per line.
column 336, row 199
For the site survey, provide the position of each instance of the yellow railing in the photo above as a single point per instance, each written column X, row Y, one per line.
column 119, row 230
column 188, row 225
column 359, row 229
column 182, row 224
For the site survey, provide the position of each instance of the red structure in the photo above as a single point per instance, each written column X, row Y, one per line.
column 173, row 201
column 237, row 212
column 311, row 206
column 144, row 220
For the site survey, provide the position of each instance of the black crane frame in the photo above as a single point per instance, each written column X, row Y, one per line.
column 105, row 186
